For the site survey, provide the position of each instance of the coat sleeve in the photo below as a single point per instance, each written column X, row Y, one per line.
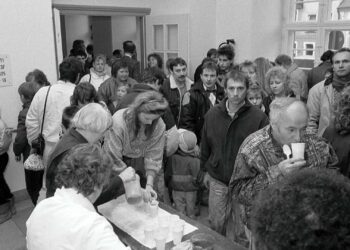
column 313, row 105
column 205, row 148
column 21, row 141
column 137, row 72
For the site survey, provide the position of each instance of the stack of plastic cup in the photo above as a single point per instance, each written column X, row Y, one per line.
column 153, row 208
column 149, row 230
column 160, row 238
column 178, row 231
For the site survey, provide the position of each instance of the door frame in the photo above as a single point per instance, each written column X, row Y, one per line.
column 71, row 9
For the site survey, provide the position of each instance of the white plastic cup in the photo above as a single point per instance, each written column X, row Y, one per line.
column 298, row 150
column 160, row 239
column 149, row 231
column 178, row 232
column 153, row 208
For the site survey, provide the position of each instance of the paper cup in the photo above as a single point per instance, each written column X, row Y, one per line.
column 298, row 150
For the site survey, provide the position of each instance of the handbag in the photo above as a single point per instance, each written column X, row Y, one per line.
column 35, row 160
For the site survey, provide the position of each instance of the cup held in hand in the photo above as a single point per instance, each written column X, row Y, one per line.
column 298, row 150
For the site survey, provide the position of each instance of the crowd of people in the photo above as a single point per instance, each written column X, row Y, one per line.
column 219, row 141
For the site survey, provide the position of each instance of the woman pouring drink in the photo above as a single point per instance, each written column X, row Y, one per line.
column 137, row 138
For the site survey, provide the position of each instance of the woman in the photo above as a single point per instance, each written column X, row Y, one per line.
column 276, row 86
column 88, row 126
column 98, row 73
column 338, row 134
column 155, row 60
column 262, row 66
column 137, row 132
column 68, row 220
column 108, row 89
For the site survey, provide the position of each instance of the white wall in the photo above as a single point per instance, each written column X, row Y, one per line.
column 119, row 3
column 77, row 27
column 123, row 29
column 27, row 37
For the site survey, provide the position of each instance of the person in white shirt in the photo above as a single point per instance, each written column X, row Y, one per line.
column 68, row 220
column 98, row 73
column 58, row 98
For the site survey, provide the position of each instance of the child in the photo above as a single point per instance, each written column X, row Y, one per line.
column 67, row 116
column 21, row 147
column 7, row 208
column 184, row 167
column 122, row 90
column 255, row 96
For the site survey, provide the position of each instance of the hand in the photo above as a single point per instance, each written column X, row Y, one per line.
column 128, row 174
column 18, row 157
column 9, row 131
column 149, row 194
column 291, row 165
column 206, row 180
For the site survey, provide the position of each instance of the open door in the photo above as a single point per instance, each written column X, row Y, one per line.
column 58, row 37
column 168, row 36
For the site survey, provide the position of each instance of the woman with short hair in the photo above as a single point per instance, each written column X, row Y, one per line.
column 137, row 137
column 68, row 220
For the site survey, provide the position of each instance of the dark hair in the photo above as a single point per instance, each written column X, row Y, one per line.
column 68, row 114
column 84, row 168
column 28, row 90
column 84, row 93
column 90, row 49
column 79, row 52
column 117, row 53
column 309, row 209
column 340, row 51
column 153, row 74
column 283, row 60
column 158, row 58
column 117, row 65
column 209, row 64
column 77, row 44
column 212, row 52
column 238, row 76
column 177, row 61
column 168, row 62
column 247, row 64
column 227, row 51
column 37, row 76
column 70, row 69
column 327, row 55
column 129, row 47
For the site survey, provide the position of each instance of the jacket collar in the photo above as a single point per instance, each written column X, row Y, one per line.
column 173, row 84
column 222, row 106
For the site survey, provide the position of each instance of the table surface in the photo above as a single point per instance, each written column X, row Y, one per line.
column 222, row 243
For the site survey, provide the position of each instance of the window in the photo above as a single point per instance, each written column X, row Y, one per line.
column 314, row 26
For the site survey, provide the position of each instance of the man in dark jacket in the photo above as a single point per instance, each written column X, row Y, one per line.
column 225, row 127
column 133, row 65
column 203, row 95
column 176, row 86
column 318, row 73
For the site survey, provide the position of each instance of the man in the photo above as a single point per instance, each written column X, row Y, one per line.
column 249, row 69
column 211, row 54
column 226, row 55
column 58, row 97
column 203, row 95
column 176, row 86
column 308, row 210
column 296, row 75
column 261, row 160
column 225, row 127
column 324, row 95
column 318, row 73
column 133, row 65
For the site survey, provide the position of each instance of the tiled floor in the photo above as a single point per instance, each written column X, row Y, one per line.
column 13, row 231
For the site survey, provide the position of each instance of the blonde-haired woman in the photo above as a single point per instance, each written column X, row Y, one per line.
column 137, row 137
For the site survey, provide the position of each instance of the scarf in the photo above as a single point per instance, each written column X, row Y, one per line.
column 340, row 83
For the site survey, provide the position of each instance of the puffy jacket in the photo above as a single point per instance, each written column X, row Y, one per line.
column 192, row 117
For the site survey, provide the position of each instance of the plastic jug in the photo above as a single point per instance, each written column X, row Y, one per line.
column 133, row 191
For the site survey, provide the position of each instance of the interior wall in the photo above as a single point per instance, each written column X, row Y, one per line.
column 124, row 28
column 77, row 27
column 27, row 37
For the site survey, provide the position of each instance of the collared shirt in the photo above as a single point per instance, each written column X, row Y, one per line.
column 258, row 159
column 68, row 220
column 211, row 96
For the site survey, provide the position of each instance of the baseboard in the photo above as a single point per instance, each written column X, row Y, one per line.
column 21, row 195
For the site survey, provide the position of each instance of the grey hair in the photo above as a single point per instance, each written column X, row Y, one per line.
column 92, row 117
column 279, row 106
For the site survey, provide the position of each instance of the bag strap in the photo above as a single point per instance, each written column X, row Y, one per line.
column 90, row 77
column 42, row 123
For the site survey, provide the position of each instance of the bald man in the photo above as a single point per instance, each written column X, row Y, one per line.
column 261, row 160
